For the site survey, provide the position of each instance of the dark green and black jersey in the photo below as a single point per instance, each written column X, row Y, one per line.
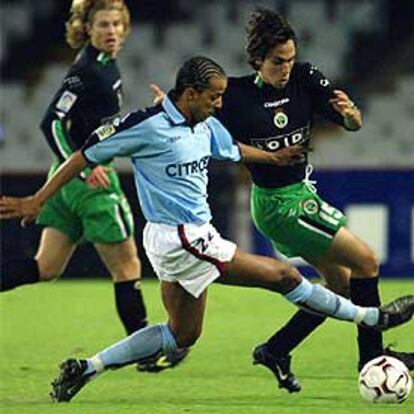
column 259, row 115
column 89, row 96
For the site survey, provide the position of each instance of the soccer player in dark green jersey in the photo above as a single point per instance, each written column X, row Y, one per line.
column 174, row 140
column 272, row 109
column 92, row 207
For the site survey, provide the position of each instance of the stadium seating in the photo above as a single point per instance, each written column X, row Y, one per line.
column 153, row 53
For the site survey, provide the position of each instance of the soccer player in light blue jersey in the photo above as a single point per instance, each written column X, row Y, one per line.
column 170, row 146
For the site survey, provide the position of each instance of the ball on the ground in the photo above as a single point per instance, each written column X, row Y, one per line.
column 385, row 380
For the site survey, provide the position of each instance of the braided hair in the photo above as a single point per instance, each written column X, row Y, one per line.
column 197, row 72
column 82, row 12
column 265, row 30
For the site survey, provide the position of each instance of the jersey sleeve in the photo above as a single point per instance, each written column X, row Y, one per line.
column 56, row 120
column 229, row 117
column 223, row 147
column 128, row 138
column 321, row 91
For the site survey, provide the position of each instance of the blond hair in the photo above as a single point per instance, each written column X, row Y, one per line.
column 82, row 13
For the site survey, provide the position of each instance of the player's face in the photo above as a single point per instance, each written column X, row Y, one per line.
column 209, row 100
column 275, row 69
column 107, row 31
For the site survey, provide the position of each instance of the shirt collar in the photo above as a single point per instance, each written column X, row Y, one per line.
column 258, row 80
column 172, row 111
column 97, row 54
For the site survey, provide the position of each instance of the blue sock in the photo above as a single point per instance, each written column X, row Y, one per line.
column 140, row 345
column 318, row 299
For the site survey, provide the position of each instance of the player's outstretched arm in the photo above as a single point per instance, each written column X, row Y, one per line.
column 29, row 207
column 285, row 156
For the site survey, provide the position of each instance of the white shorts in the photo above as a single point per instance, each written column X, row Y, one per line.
column 192, row 255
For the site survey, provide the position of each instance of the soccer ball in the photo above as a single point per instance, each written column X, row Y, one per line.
column 385, row 380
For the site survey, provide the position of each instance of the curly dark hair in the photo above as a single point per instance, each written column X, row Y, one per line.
column 196, row 72
column 265, row 30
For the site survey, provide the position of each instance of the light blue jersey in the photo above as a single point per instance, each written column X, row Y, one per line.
column 169, row 160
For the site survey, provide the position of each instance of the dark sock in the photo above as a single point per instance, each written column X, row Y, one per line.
column 130, row 306
column 364, row 292
column 17, row 273
column 301, row 325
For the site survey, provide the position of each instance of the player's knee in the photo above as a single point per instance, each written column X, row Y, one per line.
column 48, row 271
column 288, row 278
column 127, row 270
column 369, row 265
column 187, row 338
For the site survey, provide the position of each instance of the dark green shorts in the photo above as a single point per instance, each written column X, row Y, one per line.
column 82, row 213
column 296, row 220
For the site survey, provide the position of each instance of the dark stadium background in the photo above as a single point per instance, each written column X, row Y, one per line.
column 375, row 58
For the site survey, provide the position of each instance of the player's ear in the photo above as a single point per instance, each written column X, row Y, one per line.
column 192, row 94
column 259, row 62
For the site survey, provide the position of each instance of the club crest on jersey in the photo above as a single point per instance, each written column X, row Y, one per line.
column 310, row 206
column 280, row 119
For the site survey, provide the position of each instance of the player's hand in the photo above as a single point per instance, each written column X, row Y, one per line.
column 98, row 178
column 350, row 112
column 26, row 208
column 288, row 156
column 159, row 94
column 342, row 103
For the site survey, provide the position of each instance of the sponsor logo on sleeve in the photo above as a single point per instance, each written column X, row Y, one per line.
column 66, row 102
column 105, row 131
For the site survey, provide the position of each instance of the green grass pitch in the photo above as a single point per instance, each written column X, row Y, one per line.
column 42, row 325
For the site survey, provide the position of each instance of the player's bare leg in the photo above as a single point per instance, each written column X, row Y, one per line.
column 186, row 316
column 176, row 300
column 123, row 262
column 185, row 313
column 249, row 270
column 358, row 266
column 275, row 353
column 121, row 259
column 54, row 252
column 243, row 271
column 182, row 330
column 348, row 250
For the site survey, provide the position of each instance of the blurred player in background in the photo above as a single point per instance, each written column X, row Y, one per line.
column 272, row 109
column 170, row 146
column 91, row 207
